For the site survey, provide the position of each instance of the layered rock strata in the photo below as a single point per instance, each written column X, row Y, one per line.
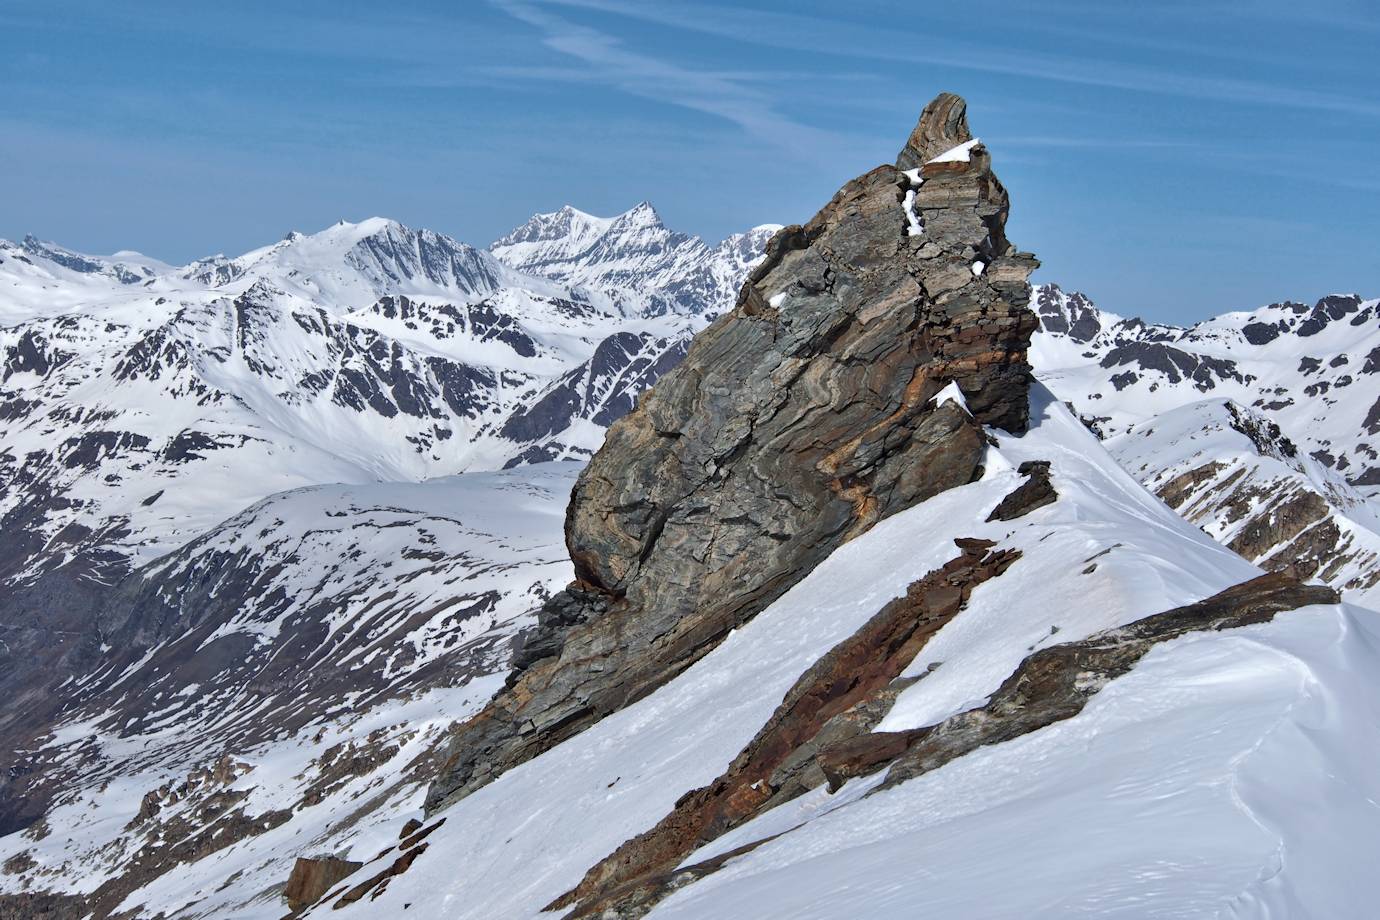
column 795, row 423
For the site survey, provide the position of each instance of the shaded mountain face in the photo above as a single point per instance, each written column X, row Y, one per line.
column 287, row 677
column 1252, row 425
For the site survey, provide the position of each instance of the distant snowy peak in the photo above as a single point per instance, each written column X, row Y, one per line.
column 41, row 278
column 1072, row 315
column 124, row 268
column 740, row 252
column 1313, row 369
column 633, row 260
column 353, row 264
column 552, row 238
column 1261, row 426
column 1235, row 473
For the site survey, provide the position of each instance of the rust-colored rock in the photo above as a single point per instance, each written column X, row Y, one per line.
column 377, row 883
column 1049, row 686
column 313, row 876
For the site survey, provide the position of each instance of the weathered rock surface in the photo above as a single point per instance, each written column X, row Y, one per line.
column 795, row 423
column 312, row 877
column 1036, row 492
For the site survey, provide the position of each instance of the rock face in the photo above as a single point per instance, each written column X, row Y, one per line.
column 794, row 423
column 312, row 877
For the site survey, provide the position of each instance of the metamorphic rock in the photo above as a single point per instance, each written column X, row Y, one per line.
column 794, row 423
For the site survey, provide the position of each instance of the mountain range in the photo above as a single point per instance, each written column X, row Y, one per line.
column 606, row 570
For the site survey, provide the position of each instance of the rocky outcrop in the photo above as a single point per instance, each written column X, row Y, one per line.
column 794, row 423
column 312, row 877
column 1055, row 683
column 411, row 846
column 1036, row 492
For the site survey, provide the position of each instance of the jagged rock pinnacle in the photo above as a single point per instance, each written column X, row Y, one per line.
column 793, row 424
column 942, row 126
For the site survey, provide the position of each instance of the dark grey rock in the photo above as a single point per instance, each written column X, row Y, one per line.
column 793, row 424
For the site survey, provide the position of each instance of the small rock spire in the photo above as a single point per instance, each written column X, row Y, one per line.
column 942, row 126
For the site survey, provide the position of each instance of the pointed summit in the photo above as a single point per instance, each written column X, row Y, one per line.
column 641, row 214
column 942, row 126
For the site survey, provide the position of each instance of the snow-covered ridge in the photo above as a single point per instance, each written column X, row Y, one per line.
column 1235, row 706
column 632, row 262
column 1237, row 710
column 353, row 264
column 1262, row 426
column 366, row 351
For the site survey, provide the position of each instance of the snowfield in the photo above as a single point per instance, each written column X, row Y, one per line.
column 1228, row 775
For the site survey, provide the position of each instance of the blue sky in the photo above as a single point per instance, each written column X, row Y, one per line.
column 1173, row 159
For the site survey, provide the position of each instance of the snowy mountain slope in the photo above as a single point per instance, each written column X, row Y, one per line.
column 131, row 421
column 1313, row 370
column 315, row 346
column 1220, row 778
column 1232, row 471
column 38, row 278
column 1105, row 553
column 1253, row 425
column 155, row 414
column 290, row 673
column 848, row 588
column 633, row 261
column 354, row 264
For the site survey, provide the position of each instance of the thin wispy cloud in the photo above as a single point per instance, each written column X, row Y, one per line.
column 807, row 33
column 732, row 97
column 1078, row 142
column 1129, row 116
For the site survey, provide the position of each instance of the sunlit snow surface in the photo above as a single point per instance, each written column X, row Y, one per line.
column 1245, row 481
column 1197, row 785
